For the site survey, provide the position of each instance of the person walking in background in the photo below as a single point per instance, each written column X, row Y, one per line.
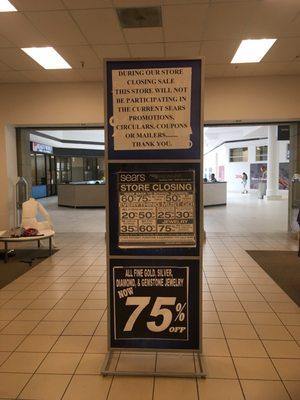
column 213, row 178
column 262, row 184
column 244, row 182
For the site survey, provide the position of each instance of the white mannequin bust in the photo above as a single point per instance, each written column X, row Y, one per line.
column 30, row 210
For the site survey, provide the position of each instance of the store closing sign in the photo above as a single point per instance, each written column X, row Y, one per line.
column 156, row 209
column 153, row 117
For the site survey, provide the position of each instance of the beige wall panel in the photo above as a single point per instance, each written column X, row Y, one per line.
column 229, row 99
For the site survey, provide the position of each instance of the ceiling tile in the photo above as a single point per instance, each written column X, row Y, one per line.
column 86, row 4
column 227, row 20
column 33, row 5
column 147, row 50
column 12, row 77
column 136, row 3
column 230, row 1
column 57, row 26
column 41, row 75
column 113, row 51
column 99, row 26
column 214, row 70
column 65, row 75
column 5, row 43
column 92, row 75
column 143, row 35
column 234, row 70
column 184, row 49
column 184, row 22
column 292, row 29
column 218, row 51
column 20, row 31
column 4, row 67
column 17, row 59
column 256, row 69
column 293, row 68
column 271, row 18
column 264, row 68
column 184, row 1
column 75, row 55
column 284, row 50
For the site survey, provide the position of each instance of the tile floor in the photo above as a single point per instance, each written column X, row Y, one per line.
column 53, row 318
column 53, row 329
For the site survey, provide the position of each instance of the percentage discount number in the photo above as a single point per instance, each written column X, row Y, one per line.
column 158, row 310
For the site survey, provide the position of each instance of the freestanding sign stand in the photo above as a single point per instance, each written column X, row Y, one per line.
column 153, row 125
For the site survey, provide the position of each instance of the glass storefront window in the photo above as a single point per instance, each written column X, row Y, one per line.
column 40, row 169
column 100, row 168
column 238, row 154
column 77, row 169
column 261, row 153
column 89, row 168
column 33, row 169
column 65, row 167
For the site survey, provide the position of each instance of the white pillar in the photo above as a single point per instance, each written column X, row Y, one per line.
column 273, row 165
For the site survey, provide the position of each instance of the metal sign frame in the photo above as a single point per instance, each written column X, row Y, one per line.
column 112, row 255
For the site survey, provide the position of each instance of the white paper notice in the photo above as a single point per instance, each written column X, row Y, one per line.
column 152, row 108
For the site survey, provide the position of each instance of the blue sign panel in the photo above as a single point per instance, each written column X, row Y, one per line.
column 153, row 304
column 153, row 109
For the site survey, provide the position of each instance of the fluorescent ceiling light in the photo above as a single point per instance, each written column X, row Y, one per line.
column 47, row 57
column 252, row 50
column 6, row 6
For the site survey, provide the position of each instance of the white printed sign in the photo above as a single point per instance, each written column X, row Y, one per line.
column 151, row 108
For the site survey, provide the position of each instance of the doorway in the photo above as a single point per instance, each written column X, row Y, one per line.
column 238, row 157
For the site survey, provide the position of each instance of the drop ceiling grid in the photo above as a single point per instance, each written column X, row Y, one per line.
column 89, row 31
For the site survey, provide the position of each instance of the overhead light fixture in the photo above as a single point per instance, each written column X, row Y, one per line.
column 6, row 6
column 47, row 57
column 252, row 50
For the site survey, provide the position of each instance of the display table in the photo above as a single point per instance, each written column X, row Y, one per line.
column 46, row 235
column 214, row 194
column 82, row 194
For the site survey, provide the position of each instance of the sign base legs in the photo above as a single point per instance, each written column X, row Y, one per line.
column 108, row 370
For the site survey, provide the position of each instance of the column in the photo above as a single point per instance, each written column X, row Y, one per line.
column 273, row 166
column 294, row 164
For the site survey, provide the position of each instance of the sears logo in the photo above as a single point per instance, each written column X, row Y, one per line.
column 133, row 178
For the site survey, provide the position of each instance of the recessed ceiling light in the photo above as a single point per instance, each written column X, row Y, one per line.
column 47, row 57
column 252, row 50
column 6, row 6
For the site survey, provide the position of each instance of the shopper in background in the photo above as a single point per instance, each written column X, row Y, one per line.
column 262, row 184
column 244, row 182
column 213, row 178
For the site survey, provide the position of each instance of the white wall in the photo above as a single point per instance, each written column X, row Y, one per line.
column 233, row 170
